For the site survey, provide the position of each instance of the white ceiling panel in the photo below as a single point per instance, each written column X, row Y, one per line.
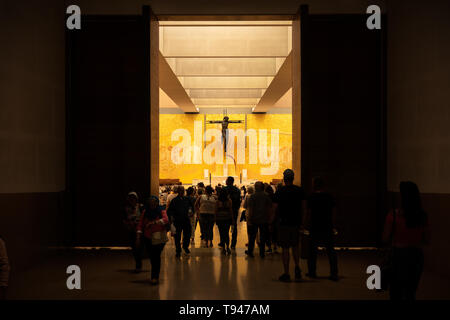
column 224, row 93
column 191, row 67
column 227, row 64
column 231, row 40
column 225, row 82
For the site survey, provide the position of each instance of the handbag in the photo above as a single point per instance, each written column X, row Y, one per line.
column 387, row 264
column 159, row 237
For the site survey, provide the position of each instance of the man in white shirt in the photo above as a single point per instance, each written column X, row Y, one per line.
column 171, row 196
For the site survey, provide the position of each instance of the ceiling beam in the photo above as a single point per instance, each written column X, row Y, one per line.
column 277, row 88
column 169, row 82
column 225, row 17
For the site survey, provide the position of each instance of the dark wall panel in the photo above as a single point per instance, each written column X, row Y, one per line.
column 109, row 121
column 30, row 223
column 341, row 109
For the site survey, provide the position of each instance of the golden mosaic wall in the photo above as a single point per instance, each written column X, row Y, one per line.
column 188, row 172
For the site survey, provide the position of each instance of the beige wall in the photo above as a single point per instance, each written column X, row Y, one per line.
column 419, row 94
column 419, row 113
column 32, row 106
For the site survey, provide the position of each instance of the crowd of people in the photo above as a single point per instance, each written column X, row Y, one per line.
column 276, row 216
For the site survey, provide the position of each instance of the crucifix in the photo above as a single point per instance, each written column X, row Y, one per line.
column 225, row 122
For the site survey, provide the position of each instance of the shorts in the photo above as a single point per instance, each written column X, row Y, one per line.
column 288, row 236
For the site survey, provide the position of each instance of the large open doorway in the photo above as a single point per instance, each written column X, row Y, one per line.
column 114, row 128
column 225, row 100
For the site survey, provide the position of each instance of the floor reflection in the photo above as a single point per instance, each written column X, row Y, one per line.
column 205, row 274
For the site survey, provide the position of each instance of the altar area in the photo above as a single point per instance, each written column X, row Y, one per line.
column 192, row 148
column 216, row 180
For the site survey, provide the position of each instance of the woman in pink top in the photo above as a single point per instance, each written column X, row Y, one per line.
column 407, row 228
column 152, row 226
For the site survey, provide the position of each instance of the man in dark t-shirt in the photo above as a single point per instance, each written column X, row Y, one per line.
column 290, row 204
column 179, row 211
column 320, row 217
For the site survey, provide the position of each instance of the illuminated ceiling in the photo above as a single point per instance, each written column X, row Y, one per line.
column 224, row 64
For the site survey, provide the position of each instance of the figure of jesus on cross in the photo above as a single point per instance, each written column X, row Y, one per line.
column 225, row 122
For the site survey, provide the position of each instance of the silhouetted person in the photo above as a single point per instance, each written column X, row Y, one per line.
column 408, row 227
column 321, row 221
column 272, row 235
column 133, row 212
column 200, row 192
column 193, row 217
column 235, row 195
column 259, row 206
column 180, row 209
column 250, row 191
column 224, row 219
column 206, row 205
column 290, row 200
column 153, row 226
column 4, row 269
column 244, row 191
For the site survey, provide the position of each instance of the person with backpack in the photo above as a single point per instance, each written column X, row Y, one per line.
column 179, row 212
column 235, row 195
column 206, row 205
column 224, row 219
column 259, row 209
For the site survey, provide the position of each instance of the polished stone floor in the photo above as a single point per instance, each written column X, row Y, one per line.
column 205, row 274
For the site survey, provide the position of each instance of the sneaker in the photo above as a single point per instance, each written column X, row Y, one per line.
column 285, row 277
column 187, row 251
column 298, row 274
column 249, row 254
